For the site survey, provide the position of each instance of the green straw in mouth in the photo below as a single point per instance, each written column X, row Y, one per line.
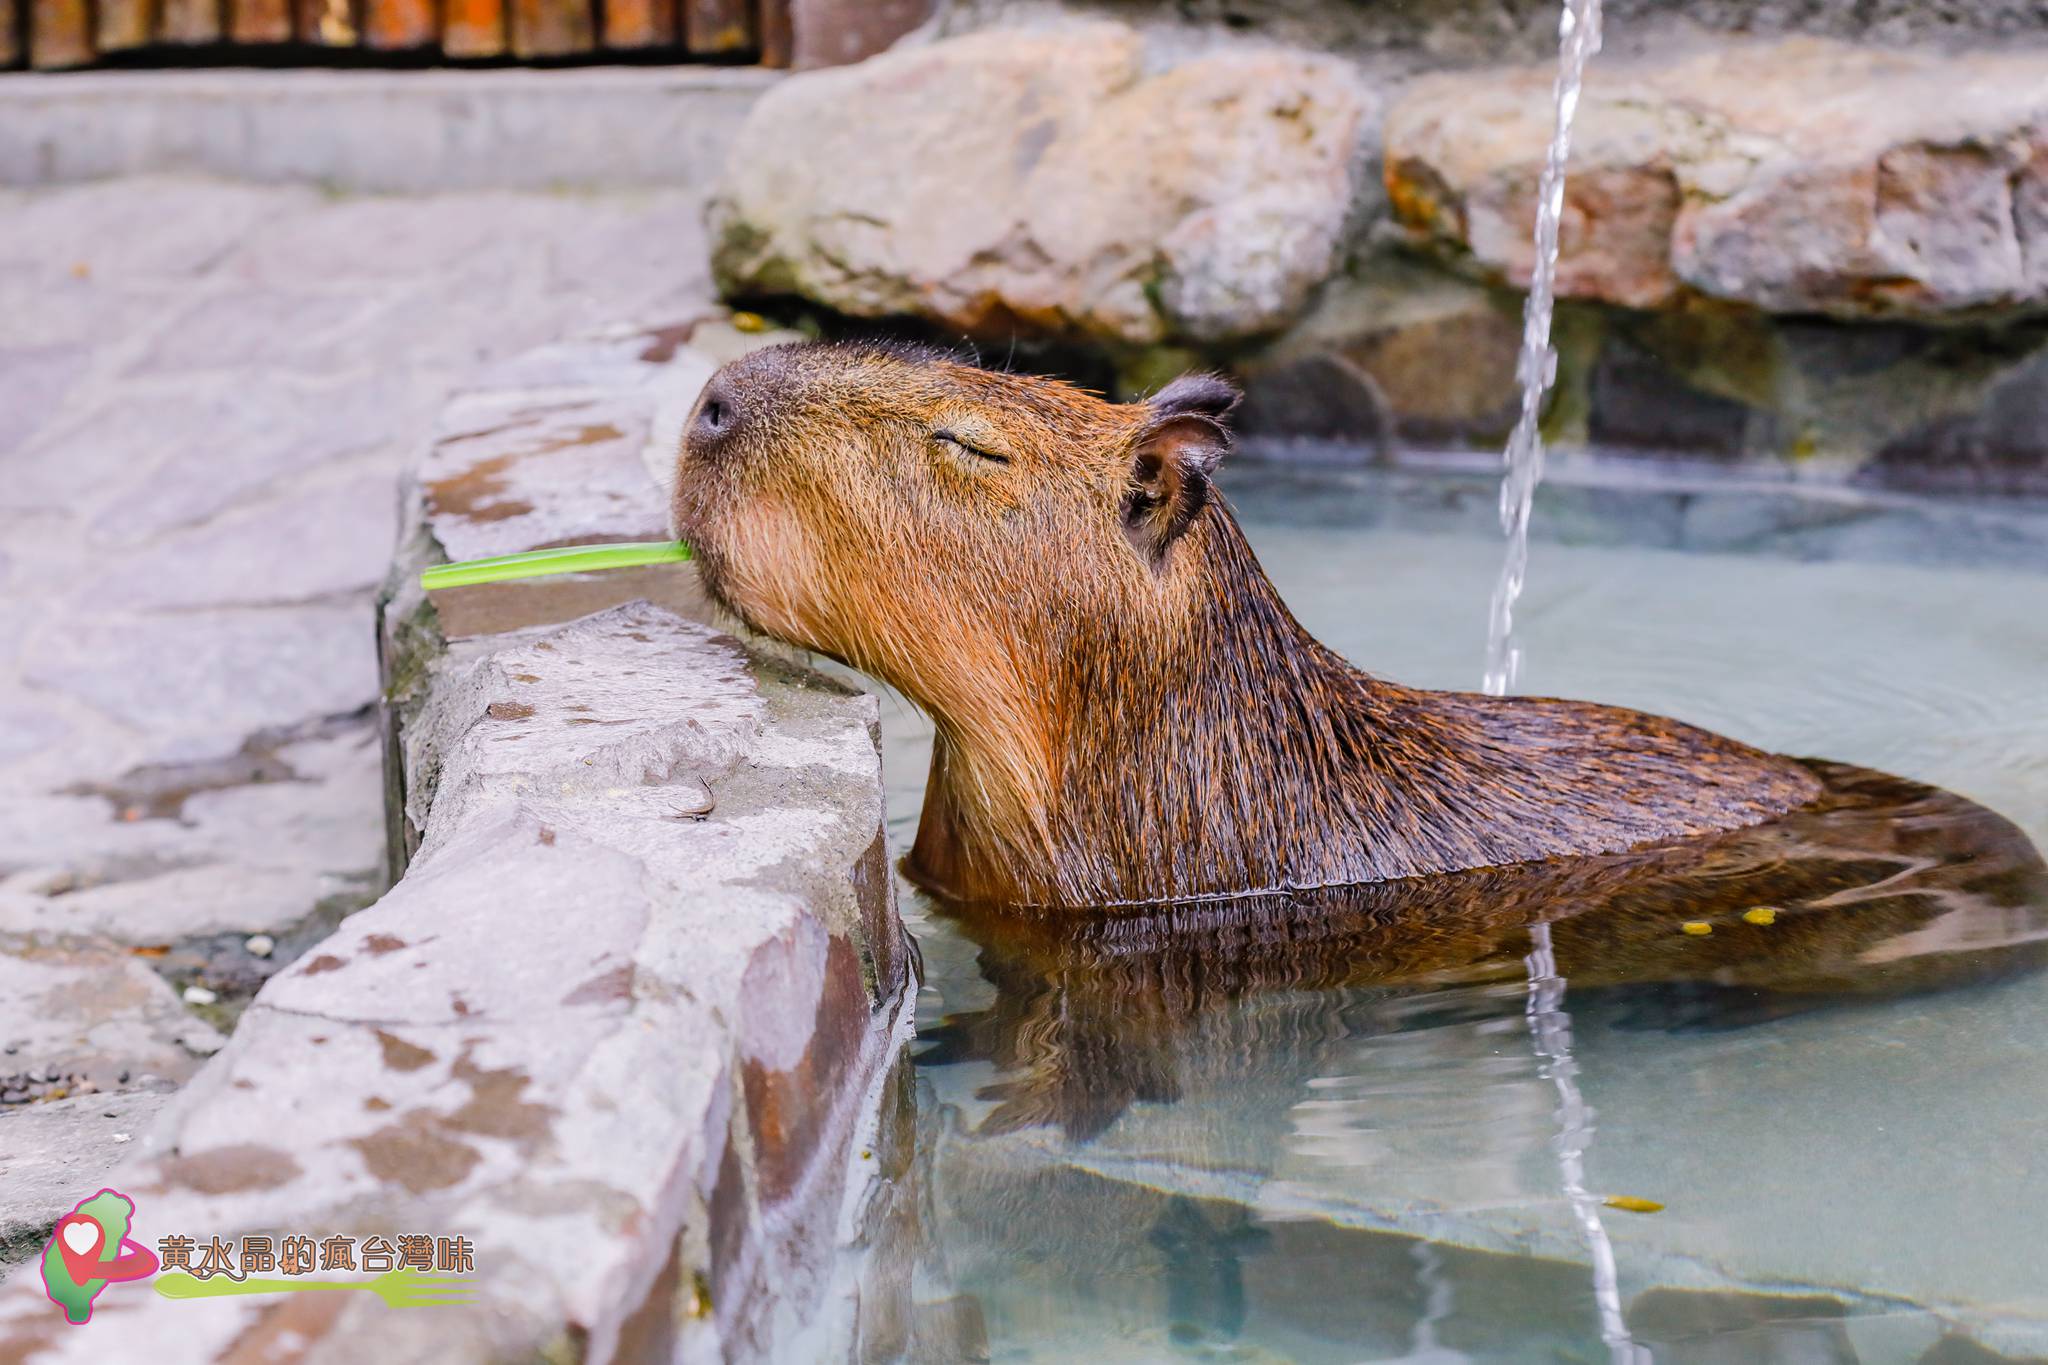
column 564, row 559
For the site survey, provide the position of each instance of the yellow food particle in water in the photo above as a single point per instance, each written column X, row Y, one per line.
column 1628, row 1203
column 1697, row 927
column 1763, row 914
column 749, row 322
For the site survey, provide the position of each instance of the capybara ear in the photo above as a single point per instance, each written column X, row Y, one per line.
column 1208, row 395
column 1171, row 462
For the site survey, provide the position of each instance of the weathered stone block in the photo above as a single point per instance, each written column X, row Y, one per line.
column 1636, row 403
column 1397, row 356
column 1999, row 446
column 196, row 683
column 1796, row 176
column 1400, row 359
column 795, row 1060
column 1041, row 179
column 1900, row 404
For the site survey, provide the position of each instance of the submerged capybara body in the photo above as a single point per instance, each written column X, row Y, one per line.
column 1125, row 711
column 1880, row 888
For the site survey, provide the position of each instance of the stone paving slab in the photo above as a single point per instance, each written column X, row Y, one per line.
column 51, row 1154
column 207, row 394
column 200, row 681
column 93, row 1013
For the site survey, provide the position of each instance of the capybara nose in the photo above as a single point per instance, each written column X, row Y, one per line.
column 718, row 416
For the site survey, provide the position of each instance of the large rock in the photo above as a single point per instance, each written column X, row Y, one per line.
column 1042, row 179
column 1396, row 354
column 1797, row 177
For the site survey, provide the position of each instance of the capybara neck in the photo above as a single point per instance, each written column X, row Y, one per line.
column 1246, row 756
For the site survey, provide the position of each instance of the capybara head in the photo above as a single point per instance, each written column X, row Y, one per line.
column 942, row 526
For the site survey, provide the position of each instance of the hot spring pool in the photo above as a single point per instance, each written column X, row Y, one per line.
column 1347, row 1175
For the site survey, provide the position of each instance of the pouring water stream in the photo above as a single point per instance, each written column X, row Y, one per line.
column 1550, row 1027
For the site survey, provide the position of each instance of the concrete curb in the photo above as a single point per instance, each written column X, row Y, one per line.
column 386, row 131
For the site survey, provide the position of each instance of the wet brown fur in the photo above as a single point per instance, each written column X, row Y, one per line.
column 1125, row 710
column 1879, row 889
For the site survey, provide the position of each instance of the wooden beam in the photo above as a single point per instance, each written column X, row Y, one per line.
column 59, row 33
column 253, row 21
column 189, row 23
column 473, row 28
column 715, row 27
column 391, row 25
column 552, row 28
column 778, row 34
column 639, row 23
column 123, row 24
column 12, row 44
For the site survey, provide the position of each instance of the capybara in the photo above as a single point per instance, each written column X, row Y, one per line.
column 1878, row 889
column 1125, row 710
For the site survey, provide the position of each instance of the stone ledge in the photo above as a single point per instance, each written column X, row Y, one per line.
column 624, row 1022
column 390, row 131
column 1792, row 177
column 1044, row 180
column 1799, row 258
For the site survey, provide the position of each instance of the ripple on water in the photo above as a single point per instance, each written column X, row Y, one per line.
column 1446, row 1107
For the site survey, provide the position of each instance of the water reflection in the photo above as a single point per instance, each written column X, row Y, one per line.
column 1057, row 1263
column 1254, row 1048
column 1885, row 887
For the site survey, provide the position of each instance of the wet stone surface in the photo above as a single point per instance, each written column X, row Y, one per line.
column 638, row 992
column 207, row 392
column 57, row 1148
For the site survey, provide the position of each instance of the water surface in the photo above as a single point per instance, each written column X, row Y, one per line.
column 1208, row 1139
